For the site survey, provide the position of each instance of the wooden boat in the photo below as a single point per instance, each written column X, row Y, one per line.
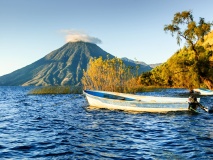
column 203, row 91
column 131, row 102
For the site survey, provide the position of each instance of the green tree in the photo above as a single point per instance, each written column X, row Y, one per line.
column 109, row 75
column 184, row 26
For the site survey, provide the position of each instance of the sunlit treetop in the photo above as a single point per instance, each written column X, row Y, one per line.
column 185, row 27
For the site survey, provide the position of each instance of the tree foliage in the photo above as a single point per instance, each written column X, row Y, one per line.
column 192, row 66
column 178, row 71
column 184, row 26
column 109, row 75
column 193, row 31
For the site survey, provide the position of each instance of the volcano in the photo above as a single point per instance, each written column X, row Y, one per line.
column 63, row 66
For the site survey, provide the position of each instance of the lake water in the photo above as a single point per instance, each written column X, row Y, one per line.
column 62, row 127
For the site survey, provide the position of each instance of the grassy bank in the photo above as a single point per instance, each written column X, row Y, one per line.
column 57, row 90
column 78, row 90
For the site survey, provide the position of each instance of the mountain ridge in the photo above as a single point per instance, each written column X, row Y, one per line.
column 63, row 66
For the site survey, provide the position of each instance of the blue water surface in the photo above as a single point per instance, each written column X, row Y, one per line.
column 62, row 127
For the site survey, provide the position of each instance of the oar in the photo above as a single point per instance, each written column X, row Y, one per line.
column 209, row 110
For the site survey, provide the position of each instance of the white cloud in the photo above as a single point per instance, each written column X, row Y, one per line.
column 75, row 36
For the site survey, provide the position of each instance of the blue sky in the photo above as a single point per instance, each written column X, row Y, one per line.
column 30, row 29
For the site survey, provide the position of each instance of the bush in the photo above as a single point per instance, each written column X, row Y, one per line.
column 109, row 75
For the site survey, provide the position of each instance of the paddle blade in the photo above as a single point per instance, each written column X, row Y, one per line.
column 210, row 109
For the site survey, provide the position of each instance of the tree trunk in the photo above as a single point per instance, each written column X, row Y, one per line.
column 207, row 82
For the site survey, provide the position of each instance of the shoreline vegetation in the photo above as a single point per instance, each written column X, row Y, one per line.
column 56, row 90
column 45, row 90
column 111, row 75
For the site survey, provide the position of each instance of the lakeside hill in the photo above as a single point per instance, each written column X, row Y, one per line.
column 64, row 66
column 179, row 70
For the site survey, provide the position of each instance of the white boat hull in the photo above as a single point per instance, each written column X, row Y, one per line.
column 136, row 103
column 204, row 92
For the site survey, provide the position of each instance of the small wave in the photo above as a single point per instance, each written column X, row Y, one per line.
column 2, row 147
column 67, row 153
column 21, row 148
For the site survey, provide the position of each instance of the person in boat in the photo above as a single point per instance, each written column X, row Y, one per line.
column 193, row 103
column 191, row 91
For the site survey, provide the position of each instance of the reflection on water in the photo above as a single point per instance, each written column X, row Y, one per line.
column 63, row 127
